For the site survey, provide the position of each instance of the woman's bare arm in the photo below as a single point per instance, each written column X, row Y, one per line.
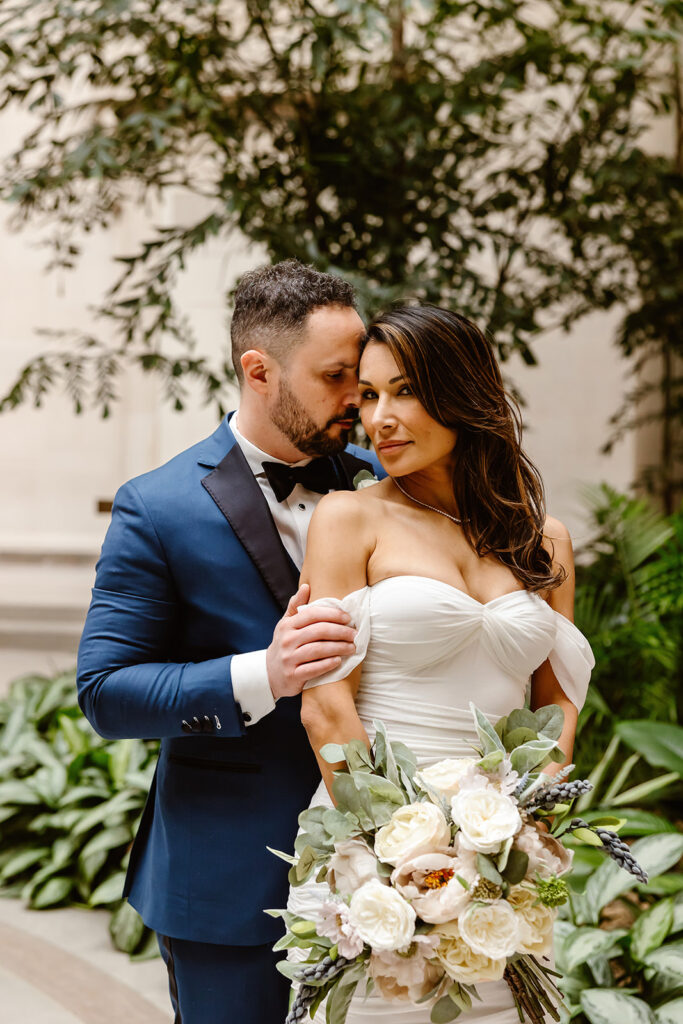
column 340, row 543
column 545, row 689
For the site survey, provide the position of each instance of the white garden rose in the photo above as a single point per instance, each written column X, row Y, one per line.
column 491, row 929
column 536, row 921
column 409, row 976
column 382, row 917
column 461, row 962
column 486, row 818
column 351, row 865
column 415, row 828
column 445, row 776
column 547, row 855
column 430, row 882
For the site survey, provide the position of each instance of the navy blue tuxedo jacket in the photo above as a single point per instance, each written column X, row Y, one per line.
column 193, row 571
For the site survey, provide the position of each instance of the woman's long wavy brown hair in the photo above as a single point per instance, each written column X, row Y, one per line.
column 498, row 491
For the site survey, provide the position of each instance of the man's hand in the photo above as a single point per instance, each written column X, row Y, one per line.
column 306, row 644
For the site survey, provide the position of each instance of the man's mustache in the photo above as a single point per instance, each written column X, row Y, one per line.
column 350, row 414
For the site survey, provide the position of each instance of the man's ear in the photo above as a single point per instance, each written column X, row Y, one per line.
column 258, row 368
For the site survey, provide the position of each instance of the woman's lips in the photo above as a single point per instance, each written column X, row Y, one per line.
column 392, row 446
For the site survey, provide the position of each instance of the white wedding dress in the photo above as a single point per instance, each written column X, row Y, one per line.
column 428, row 649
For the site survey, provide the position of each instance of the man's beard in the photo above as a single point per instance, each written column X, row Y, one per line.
column 290, row 417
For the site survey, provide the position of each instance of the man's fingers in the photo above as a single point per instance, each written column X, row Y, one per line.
column 315, row 652
column 301, row 597
column 313, row 669
column 327, row 632
column 321, row 613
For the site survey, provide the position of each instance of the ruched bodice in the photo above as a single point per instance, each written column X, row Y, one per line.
column 427, row 649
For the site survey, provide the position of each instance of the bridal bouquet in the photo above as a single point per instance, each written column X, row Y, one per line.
column 440, row 878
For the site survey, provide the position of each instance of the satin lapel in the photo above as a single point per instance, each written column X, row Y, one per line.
column 233, row 487
column 348, row 466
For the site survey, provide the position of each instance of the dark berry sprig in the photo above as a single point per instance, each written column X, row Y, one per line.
column 618, row 850
column 557, row 793
column 312, row 978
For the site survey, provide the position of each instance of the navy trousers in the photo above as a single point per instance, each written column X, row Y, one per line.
column 213, row 984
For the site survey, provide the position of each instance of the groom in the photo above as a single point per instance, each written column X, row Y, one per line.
column 193, row 636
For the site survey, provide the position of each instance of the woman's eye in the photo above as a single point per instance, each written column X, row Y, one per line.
column 406, row 390
column 368, row 395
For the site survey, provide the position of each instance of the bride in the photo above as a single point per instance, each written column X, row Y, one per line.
column 459, row 586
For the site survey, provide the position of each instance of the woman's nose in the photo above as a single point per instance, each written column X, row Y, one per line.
column 383, row 415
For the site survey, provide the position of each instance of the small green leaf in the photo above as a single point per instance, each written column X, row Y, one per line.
column 488, row 869
column 444, row 1011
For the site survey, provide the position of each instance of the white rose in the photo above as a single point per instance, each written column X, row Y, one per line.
column 536, row 921
column 486, row 818
column 445, row 776
column 491, row 929
column 413, row 829
column 547, row 855
column 382, row 917
column 460, row 961
column 351, row 865
column 430, row 882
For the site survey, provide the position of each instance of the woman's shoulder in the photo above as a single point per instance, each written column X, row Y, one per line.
column 554, row 529
column 557, row 541
column 350, row 505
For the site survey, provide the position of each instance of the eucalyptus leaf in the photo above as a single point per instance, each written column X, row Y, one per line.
column 488, row 869
column 333, row 753
column 550, row 721
column 444, row 1010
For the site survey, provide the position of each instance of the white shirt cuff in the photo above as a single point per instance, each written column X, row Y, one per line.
column 250, row 685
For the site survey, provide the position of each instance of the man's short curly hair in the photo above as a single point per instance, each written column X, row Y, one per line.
column 273, row 302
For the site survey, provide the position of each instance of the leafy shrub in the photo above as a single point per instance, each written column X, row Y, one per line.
column 629, row 603
column 70, row 803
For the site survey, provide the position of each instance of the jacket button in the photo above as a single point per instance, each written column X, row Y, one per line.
column 185, row 726
column 246, row 716
column 207, row 724
column 196, row 724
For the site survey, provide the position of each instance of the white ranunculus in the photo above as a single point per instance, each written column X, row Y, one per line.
column 382, row 917
column 409, row 976
column 491, row 929
column 430, row 882
column 486, row 818
column 351, row 865
column 445, row 776
column 415, row 828
column 536, row 921
column 547, row 855
column 460, row 961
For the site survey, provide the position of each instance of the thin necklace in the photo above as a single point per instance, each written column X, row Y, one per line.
column 424, row 504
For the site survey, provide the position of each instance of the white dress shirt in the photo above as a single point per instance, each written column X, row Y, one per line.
column 292, row 516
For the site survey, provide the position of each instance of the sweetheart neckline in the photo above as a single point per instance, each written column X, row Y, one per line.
column 458, row 590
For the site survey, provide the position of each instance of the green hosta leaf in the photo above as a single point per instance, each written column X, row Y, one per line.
column 109, row 891
column 121, row 803
column 78, row 740
column 670, row 1013
column 656, row 854
column 490, row 740
column 445, row 1010
column 107, row 839
column 585, row 943
column 89, row 867
column 642, row 823
column 53, row 892
column 660, row 743
column 14, row 791
column 644, row 790
column 663, row 885
column 652, row 928
column 22, row 860
column 606, row 1006
column 148, row 948
column 119, row 761
column 666, row 964
column 126, row 928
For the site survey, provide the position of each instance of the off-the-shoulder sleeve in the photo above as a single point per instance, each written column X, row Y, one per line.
column 357, row 604
column 571, row 659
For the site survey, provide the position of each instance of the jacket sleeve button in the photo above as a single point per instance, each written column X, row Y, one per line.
column 185, row 726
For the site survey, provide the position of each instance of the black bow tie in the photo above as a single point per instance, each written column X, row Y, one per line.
column 319, row 475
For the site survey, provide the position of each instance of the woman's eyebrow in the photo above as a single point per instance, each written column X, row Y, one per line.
column 392, row 381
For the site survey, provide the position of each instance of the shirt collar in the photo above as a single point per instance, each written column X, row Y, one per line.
column 254, row 455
